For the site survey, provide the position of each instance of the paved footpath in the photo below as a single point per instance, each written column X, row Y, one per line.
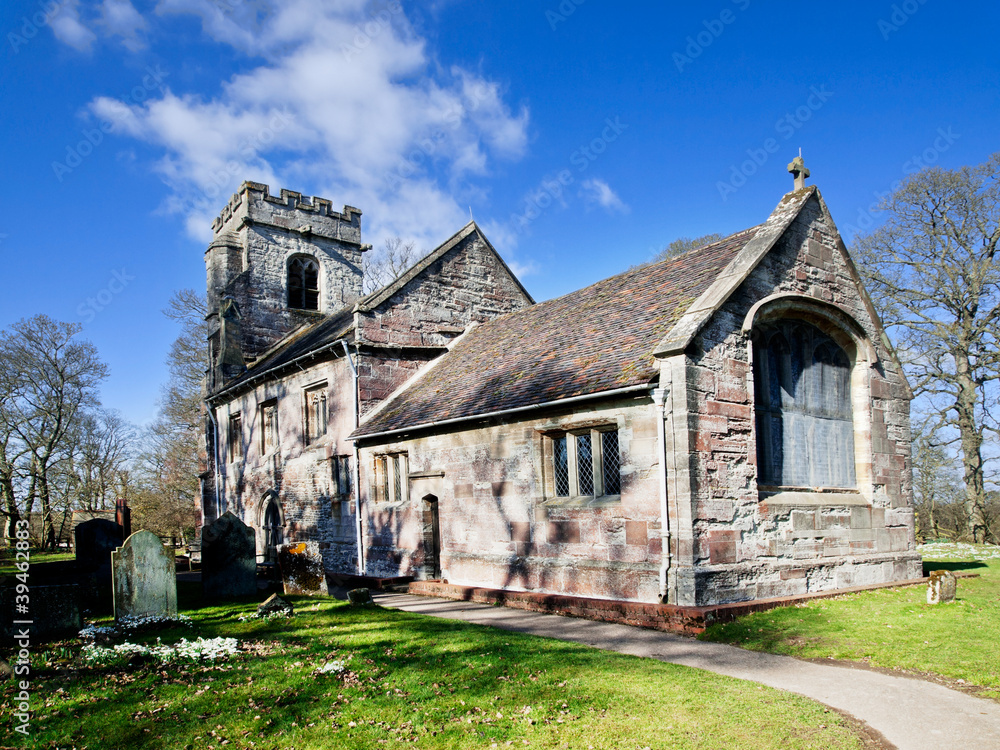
column 912, row 714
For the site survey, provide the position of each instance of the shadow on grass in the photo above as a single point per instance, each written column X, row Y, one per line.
column 931, row 566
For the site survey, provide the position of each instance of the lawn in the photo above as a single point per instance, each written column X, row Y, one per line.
column 395, row 677
column 895, row 628
column 7, row 559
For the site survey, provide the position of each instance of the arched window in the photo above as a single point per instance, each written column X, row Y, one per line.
column 805, row 426
column 303, row 283
column 272, row 530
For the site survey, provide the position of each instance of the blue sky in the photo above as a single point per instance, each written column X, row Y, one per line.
column 582, row 136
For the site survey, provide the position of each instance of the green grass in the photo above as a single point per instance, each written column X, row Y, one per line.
column 439, row 683
column 892, row 628
column 36, row 557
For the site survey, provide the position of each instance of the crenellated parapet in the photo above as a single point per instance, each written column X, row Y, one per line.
column 253, row 204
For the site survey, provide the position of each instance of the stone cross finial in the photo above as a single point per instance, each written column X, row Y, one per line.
column 799, row 171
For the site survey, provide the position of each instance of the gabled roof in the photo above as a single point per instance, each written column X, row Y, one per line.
column 313, row 338
column 379, row 296
column 597, row 339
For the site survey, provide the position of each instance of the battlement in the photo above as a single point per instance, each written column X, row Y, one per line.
column 253, row 204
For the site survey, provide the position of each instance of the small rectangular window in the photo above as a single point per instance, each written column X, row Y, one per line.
column 341, row 467
column 317, row 416
column 235, row 438
column 560, row 459
column 397, row 474
column 586, row 464
column 268, row 426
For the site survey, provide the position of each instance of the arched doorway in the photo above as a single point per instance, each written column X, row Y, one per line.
column 271, row 526
column 432, row 538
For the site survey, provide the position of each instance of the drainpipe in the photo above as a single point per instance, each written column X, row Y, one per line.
column 356, row 471
column 660, row 401
column 220, row 490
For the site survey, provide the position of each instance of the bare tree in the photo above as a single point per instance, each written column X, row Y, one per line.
column 382, row 266
column 50, row 382
column 173, row 454
column 932, row 269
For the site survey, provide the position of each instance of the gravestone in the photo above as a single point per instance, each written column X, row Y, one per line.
column 145, row 580
column 54, row 612
column 942, row 586
column 228, row 558
column 302, row 569
column 93, row 543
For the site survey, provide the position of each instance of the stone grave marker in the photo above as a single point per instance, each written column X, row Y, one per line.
column 228, row 558
column 942, row 587
column 93, row 542
column 145, row 580
column 302, row 570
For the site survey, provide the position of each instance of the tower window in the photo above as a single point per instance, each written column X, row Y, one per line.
column 303, row 283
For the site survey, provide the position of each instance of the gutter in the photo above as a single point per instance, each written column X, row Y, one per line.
column 660, row 400
column 503, row 412
column 356, row 469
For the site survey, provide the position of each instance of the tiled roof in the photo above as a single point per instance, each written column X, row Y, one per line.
column 597, row 339
column 301, row 343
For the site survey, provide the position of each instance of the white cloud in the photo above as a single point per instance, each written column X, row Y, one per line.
column 345, row 102
column 120, row 18
column 69, row 29
column 597, row 192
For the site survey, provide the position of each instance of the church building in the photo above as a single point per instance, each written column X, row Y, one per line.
column 721, row 426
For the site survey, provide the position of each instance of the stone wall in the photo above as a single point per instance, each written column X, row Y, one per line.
column 500, row 525
column 735, row 542
column 300, row 473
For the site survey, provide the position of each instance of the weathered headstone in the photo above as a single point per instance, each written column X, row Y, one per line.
column 145, row 581
column 941, row 587
column 302, row 569
column 228, row 558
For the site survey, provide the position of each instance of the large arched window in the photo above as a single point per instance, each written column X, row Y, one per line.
column 805, row 426
column 303, row 283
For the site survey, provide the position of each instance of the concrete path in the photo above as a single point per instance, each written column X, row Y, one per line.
column 912, row 714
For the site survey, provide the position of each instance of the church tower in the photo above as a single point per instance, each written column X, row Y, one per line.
column 275, row 264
